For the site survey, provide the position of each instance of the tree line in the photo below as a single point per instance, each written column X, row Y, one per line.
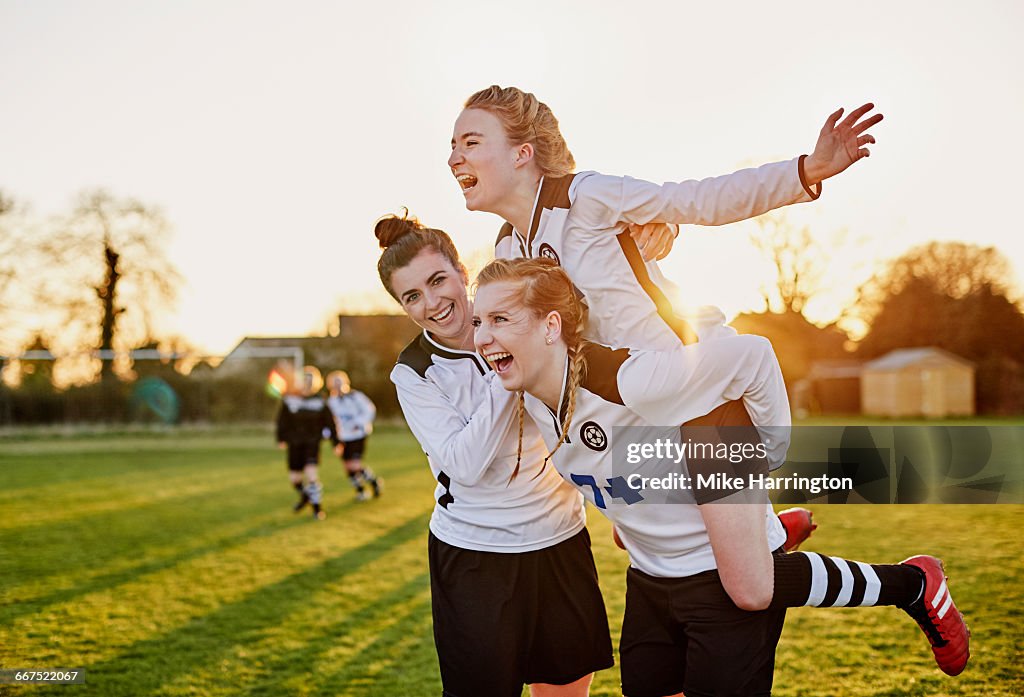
column 952, row 295
column 98, row 278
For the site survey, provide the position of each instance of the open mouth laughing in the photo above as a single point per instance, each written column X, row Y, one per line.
column 501, row 361
column 466, row 181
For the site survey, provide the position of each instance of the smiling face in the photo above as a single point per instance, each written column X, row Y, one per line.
column 433, row 293
column 514, row 341
column 483, row 161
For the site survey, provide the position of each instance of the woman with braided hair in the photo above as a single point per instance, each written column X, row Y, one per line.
column 514, row 591
column 705, row 593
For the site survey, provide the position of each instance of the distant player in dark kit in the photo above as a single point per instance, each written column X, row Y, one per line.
column 302, row 422
column 354, row 413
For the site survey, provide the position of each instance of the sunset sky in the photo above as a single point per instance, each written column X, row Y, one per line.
column 273, row 135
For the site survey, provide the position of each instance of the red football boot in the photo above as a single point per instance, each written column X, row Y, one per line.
column 938, row 617
column 799, row 525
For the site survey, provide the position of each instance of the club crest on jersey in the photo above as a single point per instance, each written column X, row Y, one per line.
column 548, row 252
column 593, row 436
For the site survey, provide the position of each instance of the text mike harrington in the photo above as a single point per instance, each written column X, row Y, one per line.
column 666, row 449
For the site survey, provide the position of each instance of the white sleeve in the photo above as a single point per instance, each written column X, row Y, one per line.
column 673, row 387
column 368, row 408
column 606, row 201
column 463, row 448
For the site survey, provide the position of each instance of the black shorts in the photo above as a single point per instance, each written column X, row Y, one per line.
column 505, row 620
column 302, row 454
column 686, row 635
column 353, row 449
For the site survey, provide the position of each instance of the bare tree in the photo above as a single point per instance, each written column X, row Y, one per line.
column 801, row 262
column 113, row 276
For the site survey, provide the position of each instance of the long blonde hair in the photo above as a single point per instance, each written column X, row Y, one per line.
column 544, row 287
column 526, row 119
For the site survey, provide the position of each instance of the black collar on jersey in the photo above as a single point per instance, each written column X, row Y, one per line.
column 419, row 354
column 601, row 370
column 552, row 192
column 600, row 375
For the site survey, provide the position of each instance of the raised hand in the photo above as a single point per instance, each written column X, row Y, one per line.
column 840, row 144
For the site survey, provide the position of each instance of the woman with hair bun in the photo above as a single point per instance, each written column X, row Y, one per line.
column 514, row 591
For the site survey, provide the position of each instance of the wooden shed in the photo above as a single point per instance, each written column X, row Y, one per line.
column 927, row 382
column 831, row 386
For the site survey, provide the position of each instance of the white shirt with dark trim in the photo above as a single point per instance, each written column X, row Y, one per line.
column 663, row 539
column 581, row 220
column 354, row 413
column 466, row 423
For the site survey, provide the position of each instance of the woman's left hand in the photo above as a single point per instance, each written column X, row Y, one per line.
column 840, row 144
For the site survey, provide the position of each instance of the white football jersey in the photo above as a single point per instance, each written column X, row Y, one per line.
column 466, row 423
column 354, row 413
column 581, row 221
column 664, row 535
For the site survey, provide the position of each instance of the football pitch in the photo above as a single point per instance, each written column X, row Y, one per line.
column 172, row 564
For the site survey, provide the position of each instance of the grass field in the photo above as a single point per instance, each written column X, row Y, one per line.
column 172, row 565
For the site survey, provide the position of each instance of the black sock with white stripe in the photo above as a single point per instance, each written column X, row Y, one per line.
column 807, row 578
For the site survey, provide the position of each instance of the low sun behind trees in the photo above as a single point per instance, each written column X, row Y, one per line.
column 801, row 263
column 95, row 278
column 99, row 278
column 955, row 296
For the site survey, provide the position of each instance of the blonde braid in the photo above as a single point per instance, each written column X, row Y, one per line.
column 576, row 368
column 520, row 414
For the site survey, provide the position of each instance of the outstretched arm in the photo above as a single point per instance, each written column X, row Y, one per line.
column 605, row 202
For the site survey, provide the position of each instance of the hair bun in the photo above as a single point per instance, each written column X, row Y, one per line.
column 392, row 228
